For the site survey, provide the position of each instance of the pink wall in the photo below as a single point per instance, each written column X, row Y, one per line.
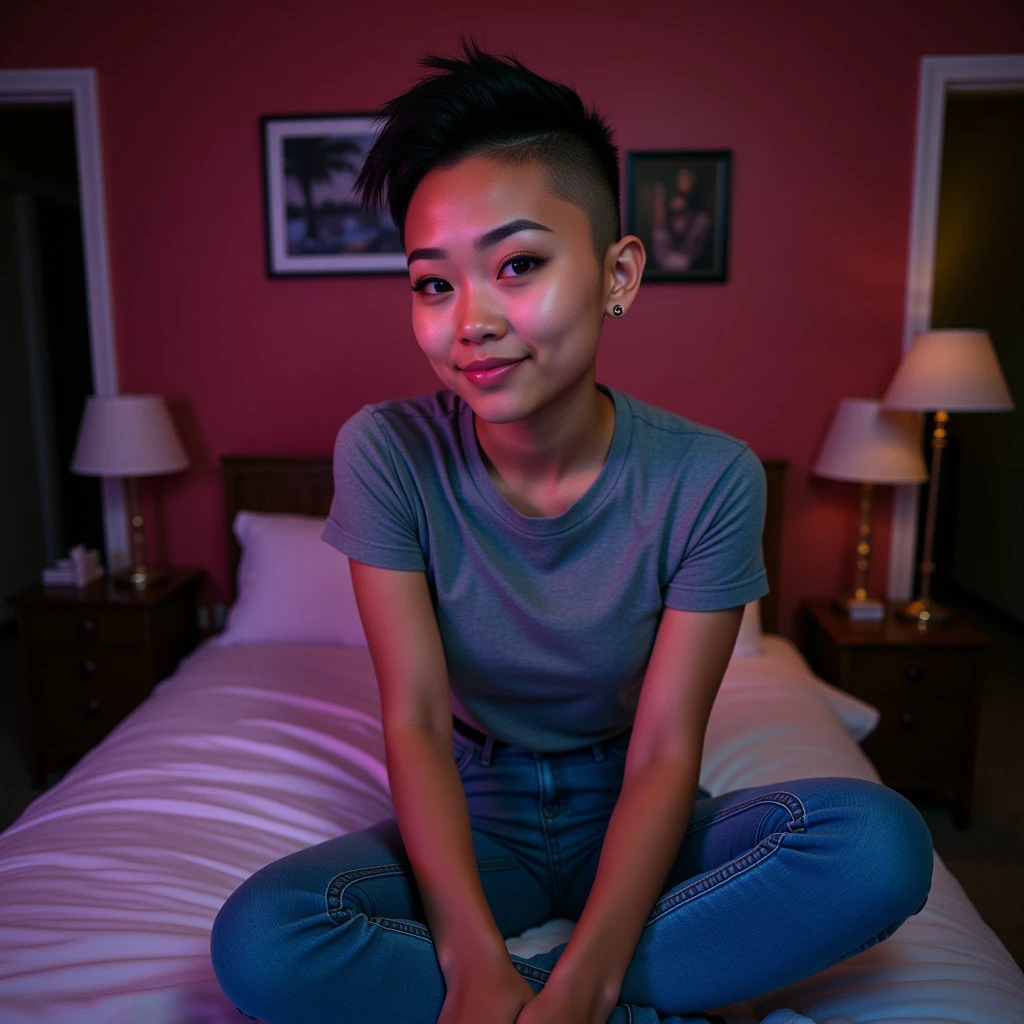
column 817, row 101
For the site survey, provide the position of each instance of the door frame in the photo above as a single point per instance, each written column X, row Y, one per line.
column 938, row 76
column 77, row 86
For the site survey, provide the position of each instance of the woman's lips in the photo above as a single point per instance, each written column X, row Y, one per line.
column 487, row 378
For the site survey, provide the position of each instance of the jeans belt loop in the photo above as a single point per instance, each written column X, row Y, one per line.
column 485, row 758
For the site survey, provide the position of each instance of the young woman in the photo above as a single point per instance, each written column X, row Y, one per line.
column 551, row 575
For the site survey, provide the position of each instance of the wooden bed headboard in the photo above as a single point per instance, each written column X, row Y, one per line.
column 304, row 485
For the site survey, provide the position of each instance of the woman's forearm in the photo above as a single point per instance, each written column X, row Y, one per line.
column 641, row 844
column 433, row 819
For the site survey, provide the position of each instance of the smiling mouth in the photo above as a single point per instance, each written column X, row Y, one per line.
column 489, row 364
column 493, row 374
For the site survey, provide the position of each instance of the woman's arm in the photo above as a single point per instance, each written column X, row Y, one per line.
column 689, row 659
column 430, row 803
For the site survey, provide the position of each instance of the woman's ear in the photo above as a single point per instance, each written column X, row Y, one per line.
column 625, row 269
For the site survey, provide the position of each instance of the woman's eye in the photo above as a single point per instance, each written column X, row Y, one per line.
column 533, row 260
column 422, row 283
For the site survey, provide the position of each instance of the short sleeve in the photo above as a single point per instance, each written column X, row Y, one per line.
column 372, row 518
column 723, row 566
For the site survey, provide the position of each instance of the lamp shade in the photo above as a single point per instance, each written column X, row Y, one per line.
column 127, row 435
column 869, row 444
column 952, row 370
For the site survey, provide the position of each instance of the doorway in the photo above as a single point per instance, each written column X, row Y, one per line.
column 979, row 271
column 55, row 315
column 47, row 375
column 929, row 302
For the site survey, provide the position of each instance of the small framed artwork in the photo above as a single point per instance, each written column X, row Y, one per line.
column 314, row 223
column 677, row 203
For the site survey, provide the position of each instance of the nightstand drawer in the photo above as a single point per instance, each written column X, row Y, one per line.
column 84, row 696
column 92, row 655
column 928, row 685
column 906, row 672
column 74, row 672
column 919, row 743
column 84, row 720
column 87, row 627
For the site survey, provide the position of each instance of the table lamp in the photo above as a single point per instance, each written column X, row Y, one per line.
column 944, row 371
column 129, row 436
column 869, row 445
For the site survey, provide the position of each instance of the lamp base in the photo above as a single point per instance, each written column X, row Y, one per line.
column 924, row 613
column 141, row 577
column 860, row 609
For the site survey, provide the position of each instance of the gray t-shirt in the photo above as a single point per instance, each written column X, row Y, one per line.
column 548, row 622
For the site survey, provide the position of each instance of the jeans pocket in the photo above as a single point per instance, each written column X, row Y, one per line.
column 462, row 751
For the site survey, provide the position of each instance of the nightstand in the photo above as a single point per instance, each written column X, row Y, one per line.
column 92, row 655
column 926, row 683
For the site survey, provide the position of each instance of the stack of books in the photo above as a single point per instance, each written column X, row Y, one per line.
column 79, row 570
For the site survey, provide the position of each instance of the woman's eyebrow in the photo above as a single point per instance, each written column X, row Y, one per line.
column 485, row 241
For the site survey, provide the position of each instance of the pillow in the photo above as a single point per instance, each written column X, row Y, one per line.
column 859, row 718
column 292, row 586
column 748, row 640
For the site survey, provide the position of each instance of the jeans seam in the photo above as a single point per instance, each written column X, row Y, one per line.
column 757, row 855
column 550, row 837
column 791, row 802
column 740, row 865
column 335, row 893
column 528, row 970
column 417, row 931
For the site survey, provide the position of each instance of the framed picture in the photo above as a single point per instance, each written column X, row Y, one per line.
column 314, row 224
column 677, row 203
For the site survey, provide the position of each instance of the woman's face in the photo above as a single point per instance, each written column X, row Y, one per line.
column 535, row 296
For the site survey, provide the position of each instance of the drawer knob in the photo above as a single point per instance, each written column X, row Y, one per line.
column 91, row 706
column 914, row 673
column 88, row 668
column 908, row 721
column 87, row 627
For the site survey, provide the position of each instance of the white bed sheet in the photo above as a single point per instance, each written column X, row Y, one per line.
column 110, row 881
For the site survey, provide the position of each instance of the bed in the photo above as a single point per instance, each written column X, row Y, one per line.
column 267, row 739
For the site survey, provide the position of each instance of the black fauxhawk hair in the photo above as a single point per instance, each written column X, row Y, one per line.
column 503, row 111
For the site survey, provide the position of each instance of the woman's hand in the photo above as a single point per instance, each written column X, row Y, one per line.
column 557, row 1004
column 492, row 996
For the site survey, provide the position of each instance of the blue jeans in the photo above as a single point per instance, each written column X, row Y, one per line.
column 771, row 884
